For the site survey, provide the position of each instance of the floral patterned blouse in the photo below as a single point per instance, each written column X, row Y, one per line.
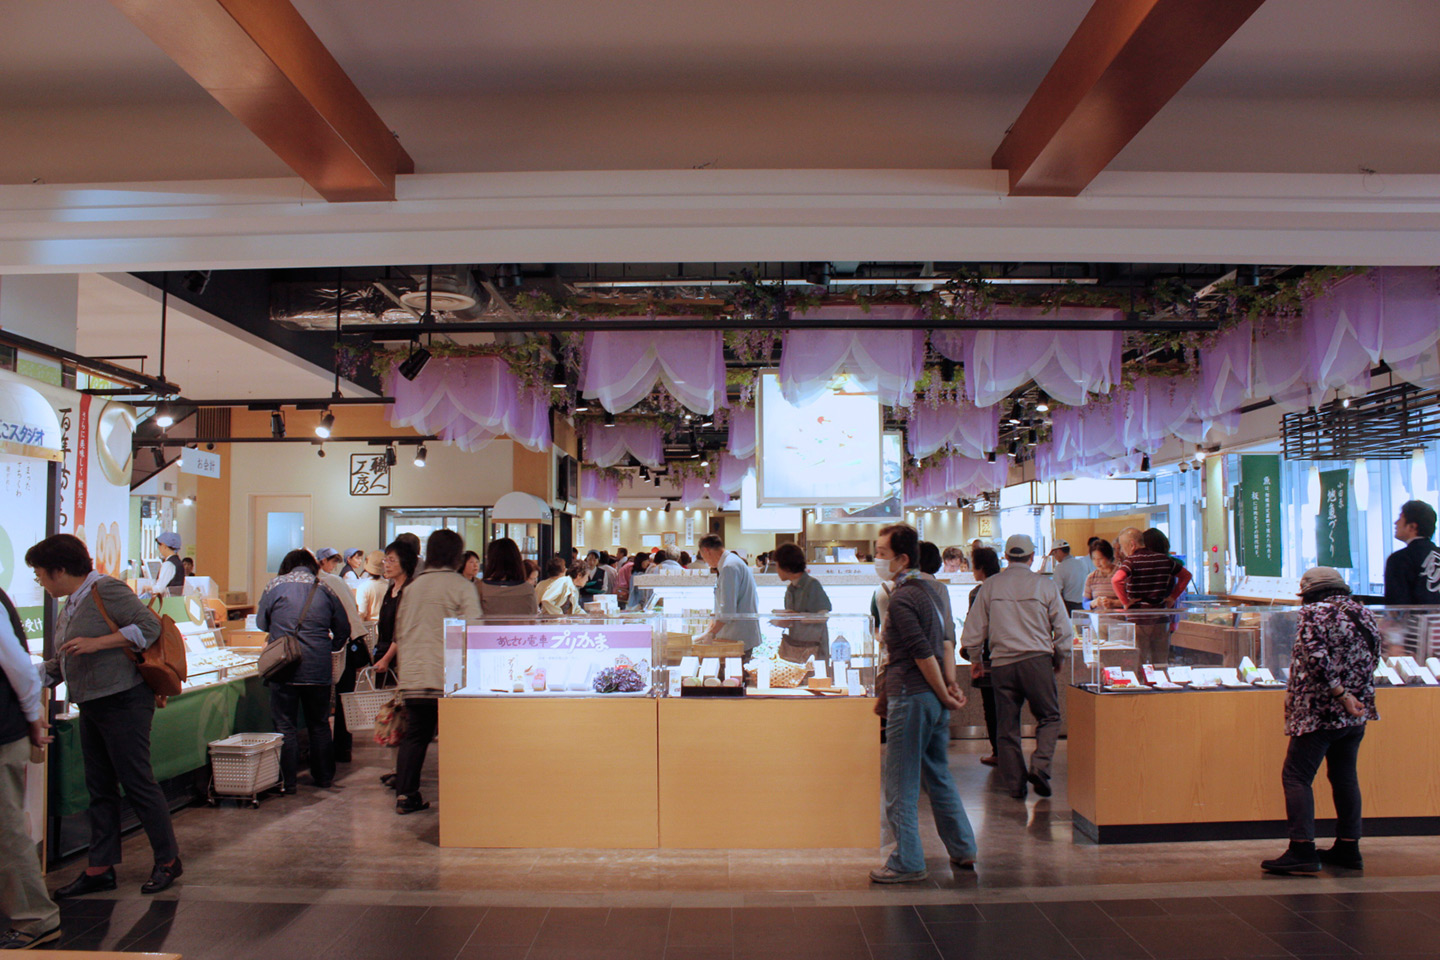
column 1331, row 651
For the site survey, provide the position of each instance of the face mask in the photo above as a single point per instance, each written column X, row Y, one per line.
column 882, row 569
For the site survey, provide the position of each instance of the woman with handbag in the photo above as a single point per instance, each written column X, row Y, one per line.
column 437, row 594
column 98, row 635
column 306, row 624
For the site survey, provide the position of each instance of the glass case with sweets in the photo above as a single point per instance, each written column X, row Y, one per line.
column 590, row 656
column 1409, row 639
column 775, row 654
column 207, row 659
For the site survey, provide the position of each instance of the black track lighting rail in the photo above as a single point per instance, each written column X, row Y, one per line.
column 141, row 442
column 410, row 331
column 299, row 403
column 142, row 384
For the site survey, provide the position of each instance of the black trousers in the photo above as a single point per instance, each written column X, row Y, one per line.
column 286, row 702
column 422, row 719
column 115, row 742
column 987, row 701
column 1339, row 749
column 1031, row 681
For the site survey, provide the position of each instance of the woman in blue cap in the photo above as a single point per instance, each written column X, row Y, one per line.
column 170, row 580
column 354, row 564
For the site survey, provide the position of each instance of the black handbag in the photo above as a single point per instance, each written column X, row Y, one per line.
column 281, row 655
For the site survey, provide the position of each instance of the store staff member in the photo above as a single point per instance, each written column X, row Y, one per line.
column 354, row 564
column 170, row 581
column 735, row 595
column 1412, row 575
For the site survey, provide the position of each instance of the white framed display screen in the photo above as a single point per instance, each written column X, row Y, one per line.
column 829, row 451
column 889, row 510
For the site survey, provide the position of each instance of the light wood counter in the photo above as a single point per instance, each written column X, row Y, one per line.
column 757, row 773
column 1199, row 765
column 548, row 773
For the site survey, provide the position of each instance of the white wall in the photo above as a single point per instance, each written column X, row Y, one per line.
column 451, row 478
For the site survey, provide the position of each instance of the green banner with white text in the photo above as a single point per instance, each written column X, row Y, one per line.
column 1332, row 530
column 1259, row 508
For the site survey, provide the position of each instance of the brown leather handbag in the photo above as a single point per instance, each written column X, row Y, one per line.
column 162, row 665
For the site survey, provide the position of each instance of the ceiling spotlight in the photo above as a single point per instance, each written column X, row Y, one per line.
column 557, row 379
column 391, row 458
column 1015, row 414
column 159, row 454
column 1145, row 463
column 1014, row 447
column 188, row 502
column 1184, row 467
column 277, row 425
column 694, row 456
column 411, row 366
column 1199, row 456
column 1345, row 403
column 644, row 472
column 327, row 420
column 164, row 417
column 609, row 419
column 1043, row 404
column 321, row 452
column 420, row 455
column 582, row 405
column 707, row 484
column 706, row 461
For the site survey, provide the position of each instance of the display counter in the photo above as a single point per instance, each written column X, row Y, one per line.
column 1163, row 752
column 659, row 731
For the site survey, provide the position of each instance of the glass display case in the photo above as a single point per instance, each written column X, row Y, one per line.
column 1217, row 647
column 683, row 653
column 207, row 659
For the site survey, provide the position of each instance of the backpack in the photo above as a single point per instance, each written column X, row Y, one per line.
column 162, row 665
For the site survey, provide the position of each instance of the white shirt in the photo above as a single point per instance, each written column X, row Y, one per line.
column 170, row 574
column 20, row 670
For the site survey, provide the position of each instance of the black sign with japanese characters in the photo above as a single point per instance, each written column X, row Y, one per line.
column 369, row 475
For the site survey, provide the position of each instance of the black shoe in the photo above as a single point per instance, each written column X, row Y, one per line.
column 1021, row 795
column 1299, row 858
column 15, row 940
column 411, row 804
column 388, row 779
column 162, row 877
column 1345, row 854
column 1041, row 784
column 85, row 883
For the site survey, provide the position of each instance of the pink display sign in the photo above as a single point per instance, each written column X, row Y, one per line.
column 559, row 637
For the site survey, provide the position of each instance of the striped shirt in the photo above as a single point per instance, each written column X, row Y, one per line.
column 1150, row 577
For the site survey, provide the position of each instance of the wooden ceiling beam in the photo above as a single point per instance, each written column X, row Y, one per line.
column 263, row 63
column 1125, row 61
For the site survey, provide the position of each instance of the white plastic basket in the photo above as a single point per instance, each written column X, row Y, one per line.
column 337, row 663
column 361, row 706
column 245, row 764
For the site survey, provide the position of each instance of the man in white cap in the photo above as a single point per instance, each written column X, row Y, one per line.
column 1022, row 616
column 170, row 580
column 1069, row 574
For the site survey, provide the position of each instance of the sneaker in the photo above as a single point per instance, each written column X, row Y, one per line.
column 963, row 863
column 1345, row 854
column 886, row 875
column 1298, row 858
column 162, row 877
column 85, row 883
column 15, row 940
column 411, row 804
column 1041, row 784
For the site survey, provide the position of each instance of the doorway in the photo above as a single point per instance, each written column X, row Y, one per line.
column 279, row 523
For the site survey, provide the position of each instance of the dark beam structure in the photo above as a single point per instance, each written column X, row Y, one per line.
column 1123, row 64
column 263, row 63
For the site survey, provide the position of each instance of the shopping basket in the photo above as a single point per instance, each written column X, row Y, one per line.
column 361, row 706
column 244, row 765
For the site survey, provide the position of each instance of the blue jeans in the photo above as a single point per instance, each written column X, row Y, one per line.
column 917, row 744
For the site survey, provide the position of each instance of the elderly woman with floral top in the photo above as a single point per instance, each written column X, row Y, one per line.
column 1330, row 698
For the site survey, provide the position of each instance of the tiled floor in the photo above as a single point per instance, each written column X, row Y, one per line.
column 336, row 874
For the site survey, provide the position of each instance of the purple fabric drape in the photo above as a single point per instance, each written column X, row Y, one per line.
column 967, row 430
column 600, row 489
column 607, row 446
column 740, row 440
column 1226, row 373
column 469, row 401
column 621, row 368
column 953, row 477
column 886, row 361
column 694, row 492
column 732, row 472
column 1066, row 364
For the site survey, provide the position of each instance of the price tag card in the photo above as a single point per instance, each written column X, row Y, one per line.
column 733, row 667
column 819, row 666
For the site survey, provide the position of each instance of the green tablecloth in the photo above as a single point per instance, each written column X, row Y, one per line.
column 179, row 738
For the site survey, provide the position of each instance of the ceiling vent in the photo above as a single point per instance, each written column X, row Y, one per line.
column 451, row 291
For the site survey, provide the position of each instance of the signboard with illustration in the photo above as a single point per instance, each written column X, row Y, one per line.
column 535, row 659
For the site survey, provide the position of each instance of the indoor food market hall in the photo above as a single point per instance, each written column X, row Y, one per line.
column 933, row 484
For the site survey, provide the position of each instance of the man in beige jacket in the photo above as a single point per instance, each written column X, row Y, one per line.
column 437, row 594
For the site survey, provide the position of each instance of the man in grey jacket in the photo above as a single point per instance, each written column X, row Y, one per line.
column 1022, row 615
